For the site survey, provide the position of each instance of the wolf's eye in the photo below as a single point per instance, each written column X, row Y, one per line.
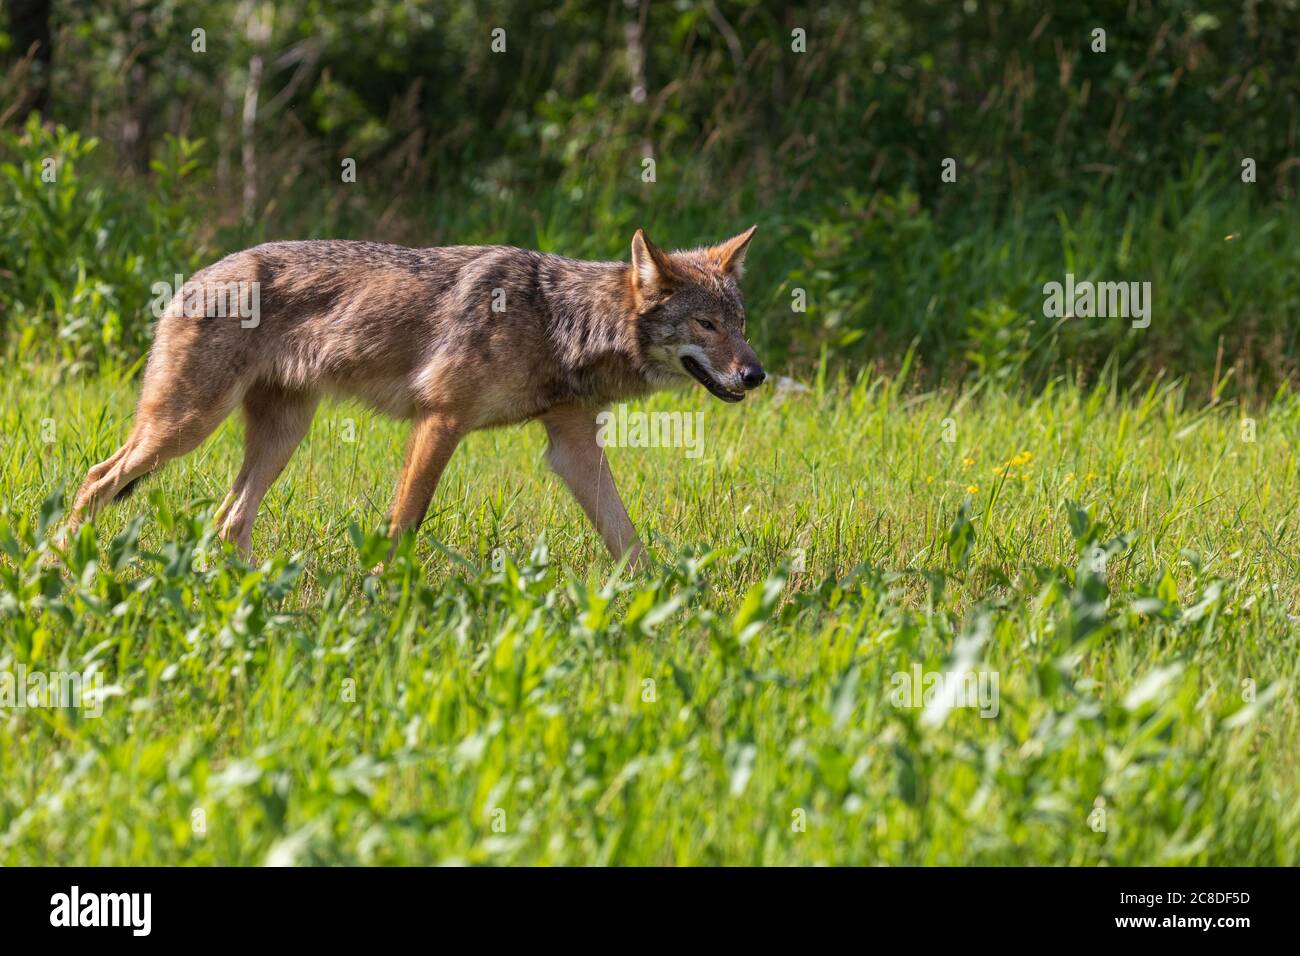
column 706, row 324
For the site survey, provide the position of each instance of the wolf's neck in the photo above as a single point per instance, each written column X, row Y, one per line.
column 590, row 313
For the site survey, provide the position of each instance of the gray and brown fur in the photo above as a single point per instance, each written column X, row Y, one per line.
column 412, row 332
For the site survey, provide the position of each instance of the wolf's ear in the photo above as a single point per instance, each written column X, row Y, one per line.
column 730, row 255
column 651, row 267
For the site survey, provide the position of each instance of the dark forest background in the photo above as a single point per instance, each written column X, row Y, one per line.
column 1171, row 157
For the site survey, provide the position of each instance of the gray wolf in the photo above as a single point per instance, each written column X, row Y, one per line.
column 454, row 338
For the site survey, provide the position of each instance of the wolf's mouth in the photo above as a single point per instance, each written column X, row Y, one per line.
column 698, row 373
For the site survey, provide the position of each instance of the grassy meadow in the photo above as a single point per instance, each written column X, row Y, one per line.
column 1125, row 562
column 1094, row 519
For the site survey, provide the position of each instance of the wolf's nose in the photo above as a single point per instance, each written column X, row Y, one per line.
column 753, row 376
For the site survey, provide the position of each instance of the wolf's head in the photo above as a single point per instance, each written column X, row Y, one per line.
column 691, row 318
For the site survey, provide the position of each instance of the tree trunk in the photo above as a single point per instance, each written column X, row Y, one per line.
column 135, row 125
column 258, row 31
column 29, row 29
column 634, row 42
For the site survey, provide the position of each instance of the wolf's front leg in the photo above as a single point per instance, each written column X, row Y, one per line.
column 576, row 457
column 433, row 440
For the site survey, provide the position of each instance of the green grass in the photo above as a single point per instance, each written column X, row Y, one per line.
column 729, row 709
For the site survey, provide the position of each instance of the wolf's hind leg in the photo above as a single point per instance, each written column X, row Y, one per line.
column 433, row 440
column 275, row 422
column 165, row 428
column 576, row 457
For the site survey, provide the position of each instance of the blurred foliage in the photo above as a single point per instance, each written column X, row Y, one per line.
column 79, row 257
column 1125, row 162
